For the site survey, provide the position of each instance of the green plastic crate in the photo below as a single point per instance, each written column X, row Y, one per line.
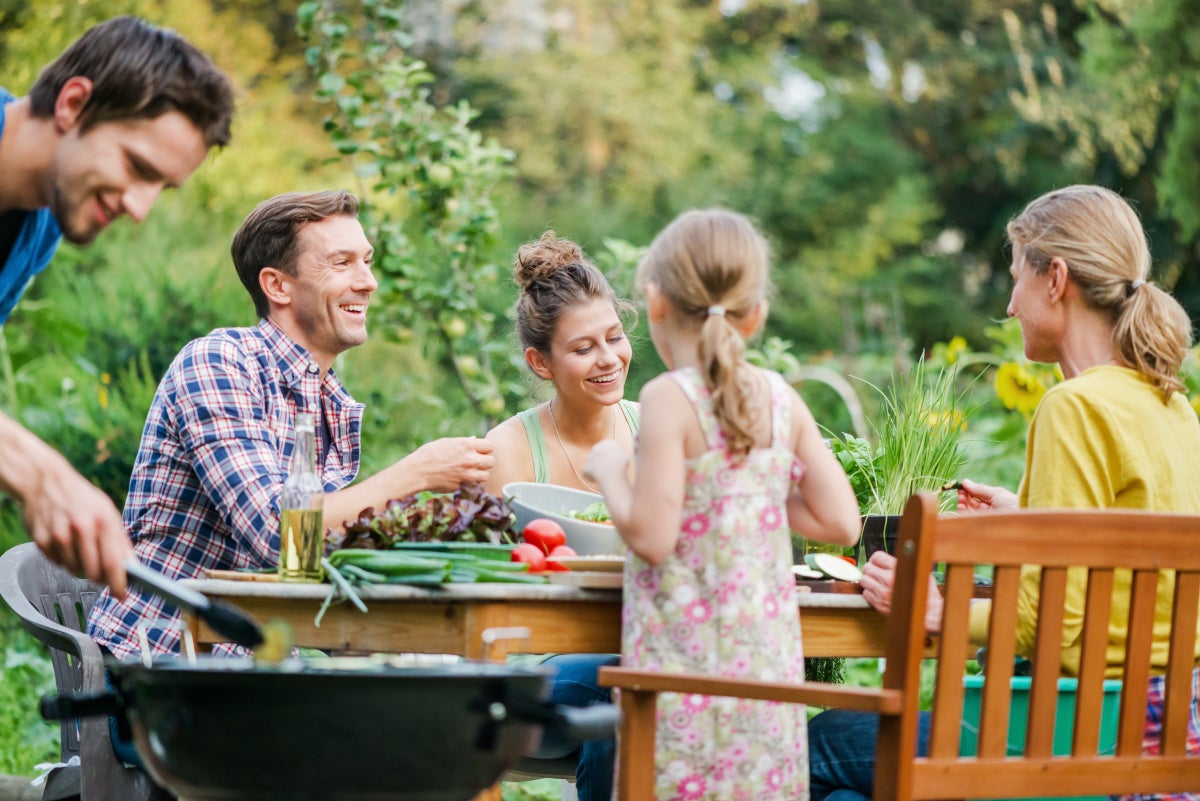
column 1064, row 720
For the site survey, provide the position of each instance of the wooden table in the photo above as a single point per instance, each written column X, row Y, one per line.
column 451, row 619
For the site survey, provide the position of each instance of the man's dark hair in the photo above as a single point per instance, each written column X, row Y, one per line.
column 139, row 71
column 267, row 237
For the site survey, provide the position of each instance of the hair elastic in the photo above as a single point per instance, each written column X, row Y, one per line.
column 717, row 310
column 1133, row 285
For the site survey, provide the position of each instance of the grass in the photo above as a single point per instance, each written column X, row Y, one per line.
column 25, row 739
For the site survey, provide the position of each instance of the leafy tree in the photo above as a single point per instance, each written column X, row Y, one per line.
column 427, row 177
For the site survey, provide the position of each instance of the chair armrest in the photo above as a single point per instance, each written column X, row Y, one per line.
column 53, row 634
column 861, row 699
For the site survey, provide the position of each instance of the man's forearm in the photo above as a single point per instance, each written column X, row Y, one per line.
column 23, row 457
column 397, row 481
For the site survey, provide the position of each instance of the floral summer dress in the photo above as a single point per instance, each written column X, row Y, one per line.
column 724, row 604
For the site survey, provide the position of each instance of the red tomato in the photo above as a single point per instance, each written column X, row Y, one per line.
column 545, row 534
column 531, row 555
column 558, row 551
column 850, row 559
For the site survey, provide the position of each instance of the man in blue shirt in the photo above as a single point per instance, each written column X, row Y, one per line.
column 125, row 112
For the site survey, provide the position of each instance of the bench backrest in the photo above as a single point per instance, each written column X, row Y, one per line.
column 1140, row 559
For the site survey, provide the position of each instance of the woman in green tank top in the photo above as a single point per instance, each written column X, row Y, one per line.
column 571, row 327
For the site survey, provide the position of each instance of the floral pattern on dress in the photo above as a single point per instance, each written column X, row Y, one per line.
column 724, row 604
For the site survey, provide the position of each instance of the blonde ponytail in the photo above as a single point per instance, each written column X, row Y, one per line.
column 1152, row 335
column 711, row 266
column 722, row 363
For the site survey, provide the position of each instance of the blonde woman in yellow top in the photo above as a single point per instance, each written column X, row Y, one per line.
column 1116, row 433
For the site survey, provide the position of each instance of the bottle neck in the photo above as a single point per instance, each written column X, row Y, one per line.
column 304, row 455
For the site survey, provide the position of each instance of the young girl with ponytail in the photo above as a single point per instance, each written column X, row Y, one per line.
column 728, row 459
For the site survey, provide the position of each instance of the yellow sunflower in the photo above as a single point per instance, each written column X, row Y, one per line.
column 955, row 348
column 1018, row 388
column 951, row 419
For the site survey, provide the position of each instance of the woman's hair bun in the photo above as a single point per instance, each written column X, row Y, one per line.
column 539, row 260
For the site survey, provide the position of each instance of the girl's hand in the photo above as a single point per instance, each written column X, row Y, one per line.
column 976, row 497
column 606, row 460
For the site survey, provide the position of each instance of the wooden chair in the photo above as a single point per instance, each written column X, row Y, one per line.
column 1125, row 549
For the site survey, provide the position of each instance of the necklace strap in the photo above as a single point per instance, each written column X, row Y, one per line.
column 563, row 445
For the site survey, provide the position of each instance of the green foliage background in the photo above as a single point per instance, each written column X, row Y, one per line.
column 881, row 147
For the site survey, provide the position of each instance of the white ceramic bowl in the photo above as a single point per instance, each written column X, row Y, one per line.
column 530, row 500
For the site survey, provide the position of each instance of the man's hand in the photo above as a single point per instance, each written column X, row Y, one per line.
column 446, row 464
column 74, row 523
column 878, row 580
column 976, row 497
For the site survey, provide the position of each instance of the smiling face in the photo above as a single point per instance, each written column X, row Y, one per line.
column 589, row 354
column 118, row 168
column 326, row 300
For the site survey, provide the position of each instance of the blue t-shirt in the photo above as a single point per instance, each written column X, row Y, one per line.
column 37, row 239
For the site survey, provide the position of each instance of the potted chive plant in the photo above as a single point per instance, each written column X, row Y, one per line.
column 918, row 447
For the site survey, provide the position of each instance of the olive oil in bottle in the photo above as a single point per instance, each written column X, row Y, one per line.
column 301, row 503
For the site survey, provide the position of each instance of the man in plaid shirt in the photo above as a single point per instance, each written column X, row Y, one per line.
column 218, row 440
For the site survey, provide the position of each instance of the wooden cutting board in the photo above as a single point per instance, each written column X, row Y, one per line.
column 826, row 585
column 587, row 579
column 240, row 575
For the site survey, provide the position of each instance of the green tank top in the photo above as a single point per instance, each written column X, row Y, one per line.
column 537, row 437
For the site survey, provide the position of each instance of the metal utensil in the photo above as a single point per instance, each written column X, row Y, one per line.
column 224, row 618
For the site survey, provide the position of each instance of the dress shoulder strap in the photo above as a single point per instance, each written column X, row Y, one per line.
column 781, row 410
column 537, row 444
column 692, row 384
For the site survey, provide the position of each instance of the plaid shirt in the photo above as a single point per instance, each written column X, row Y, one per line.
column 214, row 453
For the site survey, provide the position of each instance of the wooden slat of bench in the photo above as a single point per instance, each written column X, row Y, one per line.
column 862, row 699
column 1139, row 634
column 1001, row 647
column 1014, row 777
column 1093, row 662
column 1180, row 663
column 946, row 727
column 1047, row 658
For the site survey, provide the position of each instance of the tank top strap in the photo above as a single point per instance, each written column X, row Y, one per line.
column 781, row 411
column 633, row 415
column 692, row 384
column 537, row 444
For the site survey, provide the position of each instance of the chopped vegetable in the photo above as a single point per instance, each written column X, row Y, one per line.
column 593, row 513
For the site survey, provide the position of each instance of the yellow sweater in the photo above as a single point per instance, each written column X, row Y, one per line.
column 1102, row 440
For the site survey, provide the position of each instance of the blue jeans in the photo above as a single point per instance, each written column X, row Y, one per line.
column 841, row 754
column 118, row 731
column 574, row 684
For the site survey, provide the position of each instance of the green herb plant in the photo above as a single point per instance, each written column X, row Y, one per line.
column 919, row 441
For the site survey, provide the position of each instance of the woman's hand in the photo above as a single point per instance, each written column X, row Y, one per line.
column 878, row 581
column 976, row 497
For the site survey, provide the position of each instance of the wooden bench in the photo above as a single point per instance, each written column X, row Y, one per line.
column 1123, row 549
